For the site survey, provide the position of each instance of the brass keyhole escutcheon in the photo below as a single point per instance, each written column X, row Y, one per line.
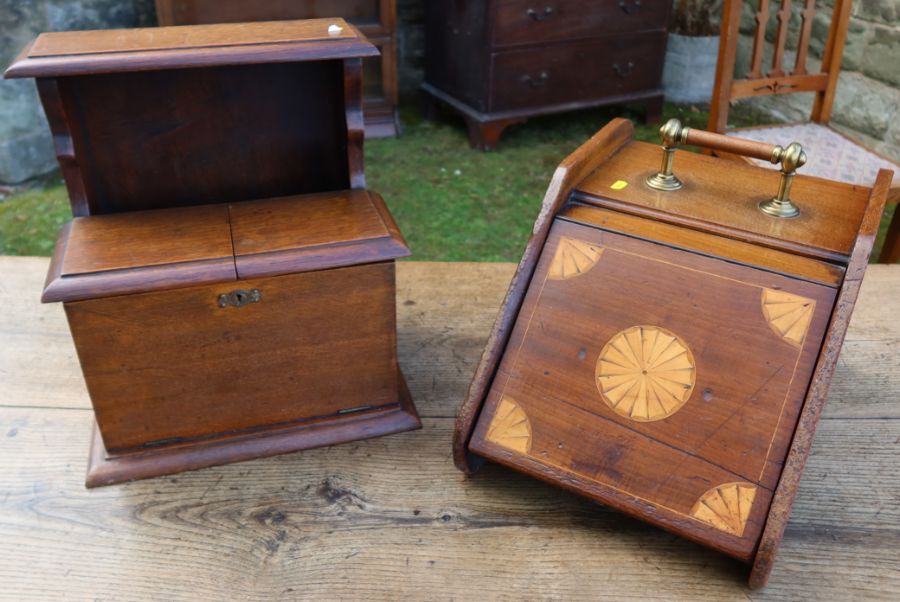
column 239, row 298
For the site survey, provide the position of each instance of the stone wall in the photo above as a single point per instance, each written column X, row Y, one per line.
column 26, row 148
column 867, row 104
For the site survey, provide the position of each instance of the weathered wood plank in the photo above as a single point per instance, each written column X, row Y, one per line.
column 392, row 518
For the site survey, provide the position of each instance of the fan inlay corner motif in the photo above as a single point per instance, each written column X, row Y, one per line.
column 573, row 258
column 510, row 427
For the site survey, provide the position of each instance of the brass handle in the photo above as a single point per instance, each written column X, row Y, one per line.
column 630, row 9
column 791, row 158
column 625, row 71
column 540, row 16
column 536, row 83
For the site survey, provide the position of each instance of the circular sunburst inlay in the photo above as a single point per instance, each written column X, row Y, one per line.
column 645, row 373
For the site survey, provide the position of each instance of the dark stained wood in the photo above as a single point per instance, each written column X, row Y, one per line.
column 607, row 66
column 278, row 129
column 890, row 251
column 725, row 201
column 61, row 128
column 375, row 18
column 503, row 61
column 128, row 50
column 282, row 124
column 744, row 346
column 525, row 22
column 356, row 133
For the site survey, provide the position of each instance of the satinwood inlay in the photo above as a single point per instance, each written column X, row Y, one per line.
column 726, row 507
column 645, row 373
column 573, row 258
column 788, row 315
column 510, row 427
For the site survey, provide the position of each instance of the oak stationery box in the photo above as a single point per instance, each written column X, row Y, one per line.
column 668, row 340
column 227, row 278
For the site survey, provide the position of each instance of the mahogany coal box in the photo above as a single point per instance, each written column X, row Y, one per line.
column 668, row 340
column 227, row 278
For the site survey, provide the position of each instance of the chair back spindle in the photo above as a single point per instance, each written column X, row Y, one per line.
column 777, row 80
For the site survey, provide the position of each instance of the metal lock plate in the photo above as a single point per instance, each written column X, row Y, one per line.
column 239, row 298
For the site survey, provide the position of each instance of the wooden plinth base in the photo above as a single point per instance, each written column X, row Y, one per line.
column 106, row 469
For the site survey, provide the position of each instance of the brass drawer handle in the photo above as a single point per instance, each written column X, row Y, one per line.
column 540, row 16
column 625, row 71
column 239, row 298
column 538, row 82
column 630, row 9
column 791, row 158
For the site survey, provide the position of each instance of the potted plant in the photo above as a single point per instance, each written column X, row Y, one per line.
column 692, row 51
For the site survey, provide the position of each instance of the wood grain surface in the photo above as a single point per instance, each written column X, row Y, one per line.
column 391, row 518
column 708, row 201
column 106, row 51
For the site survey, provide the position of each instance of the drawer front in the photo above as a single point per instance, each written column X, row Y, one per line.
column 176, row 365
column 580, row 71
column 538, row 21
column 657, row 374
column 196, row 12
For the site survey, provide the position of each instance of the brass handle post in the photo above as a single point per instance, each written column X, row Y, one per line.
column 791, row 158
column 665, row 180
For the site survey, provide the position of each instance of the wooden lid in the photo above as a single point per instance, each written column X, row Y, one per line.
column 144, row 251
column 156, row 48
column 313, row 232
column 722, row 197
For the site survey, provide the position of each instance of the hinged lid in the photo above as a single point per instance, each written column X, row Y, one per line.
column 723, row 197
column 144, row 251
column 177, row 116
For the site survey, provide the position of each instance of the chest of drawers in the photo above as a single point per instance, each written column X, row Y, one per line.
column 499, row 62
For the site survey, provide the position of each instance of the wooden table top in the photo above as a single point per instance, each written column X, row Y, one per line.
column 391, row 518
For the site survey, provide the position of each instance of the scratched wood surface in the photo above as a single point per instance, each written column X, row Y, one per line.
column 392, row 518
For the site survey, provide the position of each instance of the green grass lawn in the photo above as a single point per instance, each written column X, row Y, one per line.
column 452, row 203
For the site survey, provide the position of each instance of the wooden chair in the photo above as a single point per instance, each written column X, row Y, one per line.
column 831, row 154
